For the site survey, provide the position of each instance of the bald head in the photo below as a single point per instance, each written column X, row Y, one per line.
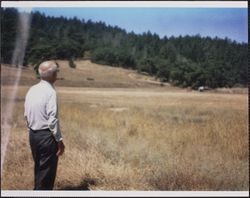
column 47, row 69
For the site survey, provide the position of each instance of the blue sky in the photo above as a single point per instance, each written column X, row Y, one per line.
column 220, row 22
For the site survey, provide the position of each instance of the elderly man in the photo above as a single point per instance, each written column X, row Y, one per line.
column 41, row 113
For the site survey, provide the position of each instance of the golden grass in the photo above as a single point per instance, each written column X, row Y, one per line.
column 140, row 139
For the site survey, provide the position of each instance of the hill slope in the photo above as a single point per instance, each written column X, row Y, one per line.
column 86, row 74
column 185, row 61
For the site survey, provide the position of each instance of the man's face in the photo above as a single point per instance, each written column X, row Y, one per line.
column 54, row 77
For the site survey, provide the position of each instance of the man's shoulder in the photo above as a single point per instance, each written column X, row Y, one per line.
column 42, row 88
column 33, row 87
column 46, row 85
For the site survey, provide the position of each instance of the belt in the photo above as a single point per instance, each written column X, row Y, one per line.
column 40, row 130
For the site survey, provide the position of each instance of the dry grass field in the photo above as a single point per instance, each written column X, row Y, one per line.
column 124, row 133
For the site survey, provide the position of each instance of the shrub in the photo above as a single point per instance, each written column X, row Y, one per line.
column 71, row 63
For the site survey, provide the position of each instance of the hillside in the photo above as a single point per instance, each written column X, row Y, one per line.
column 184, row 61
column 86, row 74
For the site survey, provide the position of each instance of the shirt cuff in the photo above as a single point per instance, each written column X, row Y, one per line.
column 59, row 139
column 57, row 135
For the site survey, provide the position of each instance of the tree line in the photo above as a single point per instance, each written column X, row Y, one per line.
column 186, row 61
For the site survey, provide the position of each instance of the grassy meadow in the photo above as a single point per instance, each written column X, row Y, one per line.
column 139, row 138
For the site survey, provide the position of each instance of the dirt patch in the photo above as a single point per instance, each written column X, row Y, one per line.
column 119, row 109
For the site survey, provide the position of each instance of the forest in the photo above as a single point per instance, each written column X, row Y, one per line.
column 184, row 61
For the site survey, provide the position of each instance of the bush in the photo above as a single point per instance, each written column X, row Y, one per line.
column 71, row 63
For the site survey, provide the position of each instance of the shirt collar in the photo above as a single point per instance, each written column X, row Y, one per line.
column 46, row 83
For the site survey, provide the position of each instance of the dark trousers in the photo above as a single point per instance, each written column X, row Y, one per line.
column 44, row 147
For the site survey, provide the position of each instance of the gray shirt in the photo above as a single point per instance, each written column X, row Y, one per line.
column 41, row 109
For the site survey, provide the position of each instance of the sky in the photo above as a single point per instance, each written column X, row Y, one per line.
column 221, row 22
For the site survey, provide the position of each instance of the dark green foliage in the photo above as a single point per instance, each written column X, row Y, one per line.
column 163, row 69
column 183, row 61
column 147, row 65
column 104, row 55
column 113, row 56
column 169, row 52
column 8, row 33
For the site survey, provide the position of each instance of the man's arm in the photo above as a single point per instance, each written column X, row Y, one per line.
column 53, row 122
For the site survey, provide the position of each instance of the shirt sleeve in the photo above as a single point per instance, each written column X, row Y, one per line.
column 25, row 110
column 53, row 122
column 25, row 114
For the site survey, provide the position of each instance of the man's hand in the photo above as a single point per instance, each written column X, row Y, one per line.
column 60, row 148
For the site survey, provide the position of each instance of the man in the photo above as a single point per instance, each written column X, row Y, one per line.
column 41, row 113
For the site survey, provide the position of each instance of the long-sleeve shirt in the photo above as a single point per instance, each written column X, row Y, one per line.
column 41, row 109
